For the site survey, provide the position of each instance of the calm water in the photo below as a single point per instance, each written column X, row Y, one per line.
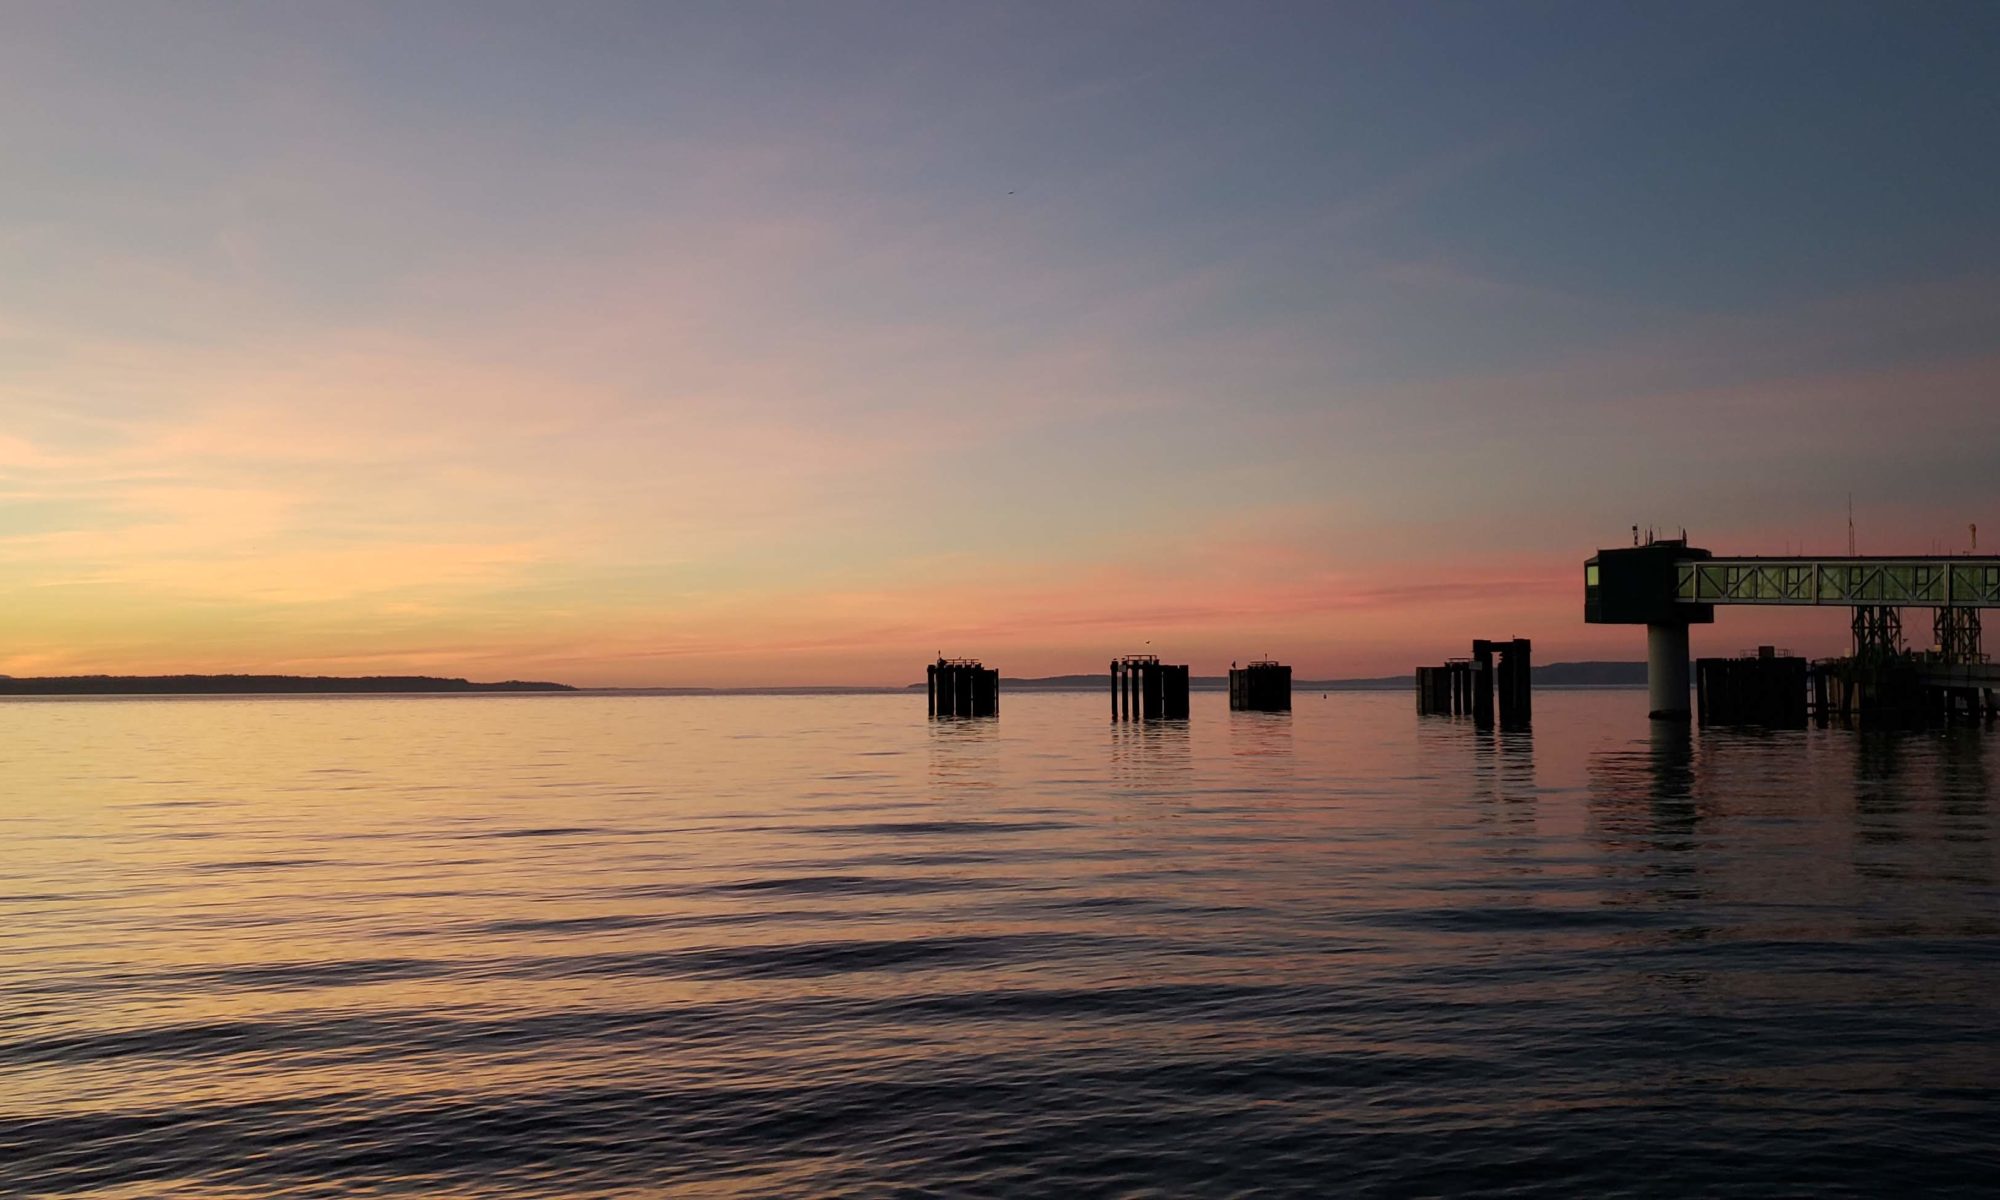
column 593, row 946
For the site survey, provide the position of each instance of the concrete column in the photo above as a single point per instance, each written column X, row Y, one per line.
column 1667, row 672
column 1524, row 682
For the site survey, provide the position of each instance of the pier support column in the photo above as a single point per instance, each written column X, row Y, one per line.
column 1667, row 672
column 1482, row 684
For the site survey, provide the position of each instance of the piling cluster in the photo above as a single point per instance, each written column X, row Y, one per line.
column 1882, row 682
column 1767, row 689
column 1471, row 686
column 963, row 687
column 1145, row 689
column 1445, row 691
column 1903, row 691
column 1263, row 686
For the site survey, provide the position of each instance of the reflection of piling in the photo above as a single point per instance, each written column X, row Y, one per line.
column 1263, row 686
column 1471, row 686
column 963, row 687
column 1769, row 690
column 1144, row 688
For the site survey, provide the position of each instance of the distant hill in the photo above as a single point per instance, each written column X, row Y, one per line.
column 1562, row 674
column 197, row 685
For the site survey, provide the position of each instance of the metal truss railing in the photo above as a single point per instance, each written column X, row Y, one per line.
column 1906, row 582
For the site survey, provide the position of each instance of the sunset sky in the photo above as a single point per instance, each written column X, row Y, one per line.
column 737, row 343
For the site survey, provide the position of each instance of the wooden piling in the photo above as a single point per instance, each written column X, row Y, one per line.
column 1769, row 690
column 1144, row 688
column 1263, row 686
column 962, row 687
column 1472, row 686
column 1482, row 684
column 1516, row 695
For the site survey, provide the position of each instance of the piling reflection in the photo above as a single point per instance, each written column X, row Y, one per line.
column 1922, row 805
column 1645, row 811
column 1965, row 797
column 1260, row 736
column 964, row 755
column 1447, row 740
column 1503, row 775
column 1964, row 773
column 1151, row 755
column 1262, row 753
column 1882, row 801
column 1512, row 754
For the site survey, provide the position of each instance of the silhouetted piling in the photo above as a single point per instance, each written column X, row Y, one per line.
column 1469, row 686
column 1445, row 690
column 1512, row 679
column 1144, row 688
column 1263, row 686
column 963, row 687
column 1770, row 690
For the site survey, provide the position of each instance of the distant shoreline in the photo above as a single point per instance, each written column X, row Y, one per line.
column 259, row 685
column 1550, row 675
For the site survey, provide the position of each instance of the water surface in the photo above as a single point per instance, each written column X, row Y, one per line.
column 589, row 946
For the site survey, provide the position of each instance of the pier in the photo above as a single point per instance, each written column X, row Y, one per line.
column 1145, row 689
column 1263, row 686
column 1669, row 586
column 963, row 687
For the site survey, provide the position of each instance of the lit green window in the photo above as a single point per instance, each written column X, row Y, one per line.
column 1590, row 575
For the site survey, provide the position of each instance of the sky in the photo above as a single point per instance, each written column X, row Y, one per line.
column 738, row 343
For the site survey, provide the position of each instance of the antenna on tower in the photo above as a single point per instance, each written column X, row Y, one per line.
column 1850, row 524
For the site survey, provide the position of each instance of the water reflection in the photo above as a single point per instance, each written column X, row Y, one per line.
column 1922, row 804
column 1508, row 758
column 1150, row 755
column 1503, row 782
column 964, row 754
column 1260, row 735
column 1644, row 805
column 814, row 947
column 1964, row 788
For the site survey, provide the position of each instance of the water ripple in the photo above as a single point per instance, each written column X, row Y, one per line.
column 611, row 946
